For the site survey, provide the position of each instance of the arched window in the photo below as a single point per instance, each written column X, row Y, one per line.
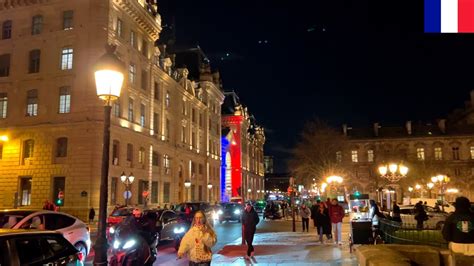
column 61, row 147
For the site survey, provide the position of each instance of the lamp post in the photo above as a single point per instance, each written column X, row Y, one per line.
column 442, row 180
column 249, row 195
column 187, row 185
column 418, row 188
column 209, row 186
column 127, row 181
column 108, row 73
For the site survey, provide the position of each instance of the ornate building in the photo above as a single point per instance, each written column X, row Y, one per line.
column 165, row 126
column 242, row 152
column 445, row 147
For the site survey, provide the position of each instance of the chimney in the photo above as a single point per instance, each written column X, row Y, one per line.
column 408, row 126
column 376, row 129
column 442, row 124
column 344, row 129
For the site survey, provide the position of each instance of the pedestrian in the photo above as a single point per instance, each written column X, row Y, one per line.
column 249, row 222
column 396, row 213
column 165, row 207
column 374, row 213
column 283, row 206
column 420, row 215
column 305, row 213
column 314, row 210
column 458, row 229
column 336, row 213
column 198, row 241
column 323, row 222
column 91, row 215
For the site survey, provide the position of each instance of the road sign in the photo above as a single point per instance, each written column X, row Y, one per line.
column 127, row 194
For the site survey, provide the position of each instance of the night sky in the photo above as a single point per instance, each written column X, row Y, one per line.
column 344, row 61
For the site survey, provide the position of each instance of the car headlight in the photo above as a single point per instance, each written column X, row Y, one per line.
column 116, row 244
column 129, row 244
column 237, row 212
column 111, row 230
column 178, row 230
column 215, row 215
column 220, row 212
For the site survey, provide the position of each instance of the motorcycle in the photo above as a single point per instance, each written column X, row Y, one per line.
column 180, row 230
column 130, row 247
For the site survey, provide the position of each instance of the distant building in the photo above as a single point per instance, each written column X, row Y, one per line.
column 242, row 152
column 443, row 147
column 277, row 181
column 268, row 163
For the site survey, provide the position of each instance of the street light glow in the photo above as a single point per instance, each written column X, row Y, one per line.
column 4, row 138
column 410, row 189
column 430, row 185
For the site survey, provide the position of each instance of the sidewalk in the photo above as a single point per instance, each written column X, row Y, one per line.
column 288, row 248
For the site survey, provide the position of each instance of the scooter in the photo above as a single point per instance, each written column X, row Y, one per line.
column 131, row 248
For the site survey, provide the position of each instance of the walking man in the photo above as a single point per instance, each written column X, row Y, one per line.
column 305, row 213
column 249, row 222
column 314, row 210
column 336, row 213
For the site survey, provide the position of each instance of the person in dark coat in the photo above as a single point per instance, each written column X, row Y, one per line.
column 314, row 209
column 420, row 215
column 458, row 229
column 396, row 213
column 323, row 222
column 91, row 215
column 250, row 220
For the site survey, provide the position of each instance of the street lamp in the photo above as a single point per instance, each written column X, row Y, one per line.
column 3, row 138
column 418, row 188
column 393, row 172
column 127, row 181
column 334, row 179
column 430, row 187
column 108, row 72
column 442, row 180
column 209, row 186
column 187, row 185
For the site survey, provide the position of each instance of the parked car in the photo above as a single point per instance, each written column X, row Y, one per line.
column 195, row 206
column 118, row 215
column 33, row 247
column 435, row 220
column 273, row 210
column 166, row 222
column 73, row 229
column 230, row 212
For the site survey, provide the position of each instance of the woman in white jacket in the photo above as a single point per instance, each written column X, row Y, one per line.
column 198, row 241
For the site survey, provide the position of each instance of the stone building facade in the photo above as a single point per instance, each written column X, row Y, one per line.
column 242, row 152
column 165, row 127
column 443, row 147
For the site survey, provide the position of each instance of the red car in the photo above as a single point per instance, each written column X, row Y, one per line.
column 117, row 216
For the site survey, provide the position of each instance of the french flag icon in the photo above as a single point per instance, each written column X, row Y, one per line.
column 449, row 16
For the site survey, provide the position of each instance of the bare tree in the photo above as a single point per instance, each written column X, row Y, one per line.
column 314, row 156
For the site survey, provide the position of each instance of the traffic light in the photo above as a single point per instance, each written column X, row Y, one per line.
column 60, row 198
column 357, row 194
column 59, row 202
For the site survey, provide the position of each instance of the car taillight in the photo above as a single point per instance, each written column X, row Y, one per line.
column 80, row 256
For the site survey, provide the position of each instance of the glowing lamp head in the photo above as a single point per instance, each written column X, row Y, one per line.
column 187, row 184
column 249, row 190
column 440, row 178
column 410, row 189
column 383, row 170
column 418, row 186
column 123, row 177
column 392, row 168
column 430, row 185
column 403, row 170
column 209, row 186
column 4, row 138
column 108, row 72
column 434, row 179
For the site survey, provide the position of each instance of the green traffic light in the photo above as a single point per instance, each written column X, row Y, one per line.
column 59, row 202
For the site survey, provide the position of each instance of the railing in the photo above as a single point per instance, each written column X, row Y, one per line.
column 397, row 233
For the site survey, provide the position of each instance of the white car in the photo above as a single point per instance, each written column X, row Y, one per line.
column 73, row 229
column 435, row 220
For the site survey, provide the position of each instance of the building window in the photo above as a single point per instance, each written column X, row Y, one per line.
column 455, row 153
column 156, row 123
column 193, row 192
column 370, row 156
column 154, row 192
column 130, row 109
column 201, row 120
column 354, row 156
column 129, row 152
column 133, row 39
column 144, row 80
column 156, row 93
column 420, row 154
column 155, row 159
column 142, row 186
column 438, row 152
column 64, row 100
column 59, row 185
column 34, row 65
column 115, row 152
column 167, row 133
column 116, row 110
column 113, row 190
column 142, row 115
column 200, row 193
column 183, row 134
column 457, row 172
column 6, row 29
column 167, row 99
column 193, row 115
column 28, row 148
column 193, row 140
column 183, row 109
column 66, row 58
column 145, row 48
column 36, row 25
column 338, row 156
column 32, row 103
column 166, row 192
column 3, row 105
column 25, row 191
column 471, row 150
column 61, row 147
column 4, row 65
column 201, row 169
column 132, row 71
column 141, row 155
column 166, row 162
column 68, row 19
column 119, row 28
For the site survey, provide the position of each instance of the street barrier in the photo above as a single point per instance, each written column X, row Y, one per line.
column 397, row 233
